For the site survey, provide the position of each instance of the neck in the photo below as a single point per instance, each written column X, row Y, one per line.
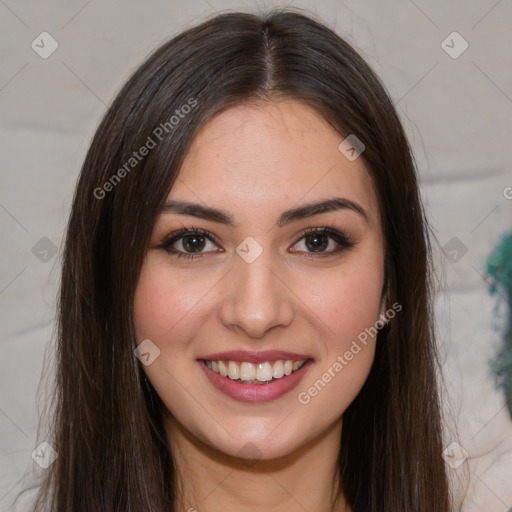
column 211, row 481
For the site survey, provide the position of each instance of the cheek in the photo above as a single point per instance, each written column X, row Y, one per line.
column 346, row 305
column 346, row 301
column 163, row 301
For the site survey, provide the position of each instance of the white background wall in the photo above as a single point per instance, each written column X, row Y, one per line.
column 458, row 114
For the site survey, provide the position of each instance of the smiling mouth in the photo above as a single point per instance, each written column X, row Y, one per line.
column 255, row 373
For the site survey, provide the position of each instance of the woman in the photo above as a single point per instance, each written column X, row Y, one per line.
column 245, row 318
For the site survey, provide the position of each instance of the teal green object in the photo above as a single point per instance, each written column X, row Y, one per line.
column 499, row 270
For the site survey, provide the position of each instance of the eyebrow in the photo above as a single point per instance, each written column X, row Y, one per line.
column 288, row 216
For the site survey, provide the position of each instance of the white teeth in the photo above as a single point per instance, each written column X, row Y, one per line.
column 261, row 372
column 233, row 370
column 264, row 372
column 278, row 370
column 247, row 371
column 223, row 369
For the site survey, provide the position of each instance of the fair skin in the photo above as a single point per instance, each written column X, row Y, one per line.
column 254, row 162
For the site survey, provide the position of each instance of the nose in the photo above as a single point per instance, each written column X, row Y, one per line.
column 256, row 298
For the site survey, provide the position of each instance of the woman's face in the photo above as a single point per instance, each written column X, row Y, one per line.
column 251, row 283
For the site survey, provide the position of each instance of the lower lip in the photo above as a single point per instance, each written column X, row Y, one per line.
column 256, row 392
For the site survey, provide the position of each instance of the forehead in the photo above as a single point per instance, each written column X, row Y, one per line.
column 263, row 158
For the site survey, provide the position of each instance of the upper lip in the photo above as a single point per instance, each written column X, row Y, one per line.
column 255, row 357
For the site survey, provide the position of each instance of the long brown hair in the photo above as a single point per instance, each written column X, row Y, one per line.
column 106, row 421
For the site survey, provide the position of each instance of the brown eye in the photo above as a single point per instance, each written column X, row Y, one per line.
column 318, row 240
column 193, row 243
column 189, row 243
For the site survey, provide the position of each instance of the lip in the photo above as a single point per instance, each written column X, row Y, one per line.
column 255, row 357
column 255, row 392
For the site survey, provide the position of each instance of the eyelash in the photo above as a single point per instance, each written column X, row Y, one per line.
column 344, row 242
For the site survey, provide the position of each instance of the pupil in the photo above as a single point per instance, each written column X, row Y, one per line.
column 193, row 243
column 318, row 242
